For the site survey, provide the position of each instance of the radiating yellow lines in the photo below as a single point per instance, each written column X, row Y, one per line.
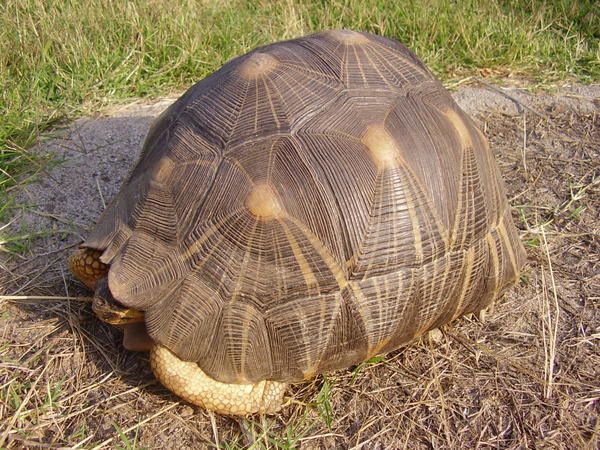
column 470, row 259
column 307, row 273
column 326, row 256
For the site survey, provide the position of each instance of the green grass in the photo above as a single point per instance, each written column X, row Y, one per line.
column 61, row 58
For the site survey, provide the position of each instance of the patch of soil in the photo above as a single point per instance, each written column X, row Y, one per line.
column 526, row 378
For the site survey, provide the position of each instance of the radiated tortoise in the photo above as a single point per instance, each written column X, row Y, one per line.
column 311, row 204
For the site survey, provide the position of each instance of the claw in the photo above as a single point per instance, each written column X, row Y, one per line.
column 436, row 336
column 484, row 312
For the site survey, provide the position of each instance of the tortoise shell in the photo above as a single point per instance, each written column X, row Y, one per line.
column 310, row 204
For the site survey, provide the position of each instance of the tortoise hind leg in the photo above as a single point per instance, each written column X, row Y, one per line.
column 86, row 266
column 189, row 382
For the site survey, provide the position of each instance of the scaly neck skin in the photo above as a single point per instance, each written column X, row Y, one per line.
column 136, row 337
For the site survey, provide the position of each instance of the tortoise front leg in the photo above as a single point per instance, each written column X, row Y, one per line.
column 86, row 266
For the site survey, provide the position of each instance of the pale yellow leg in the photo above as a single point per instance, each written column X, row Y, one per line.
column 85, row 264
column 190, row 383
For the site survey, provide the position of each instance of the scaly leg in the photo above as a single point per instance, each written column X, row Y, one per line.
column 189, row 382
column 86, row 266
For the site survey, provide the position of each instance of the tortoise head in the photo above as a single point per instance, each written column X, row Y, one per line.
column 86, row 266
column 109, row 310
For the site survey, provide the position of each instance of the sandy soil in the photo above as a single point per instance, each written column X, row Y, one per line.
column 526, row 378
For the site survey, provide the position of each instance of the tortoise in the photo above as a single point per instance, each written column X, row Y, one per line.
column 313, row 203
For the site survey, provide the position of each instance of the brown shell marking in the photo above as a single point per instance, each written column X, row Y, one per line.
column 163, row 170
column 460, row 127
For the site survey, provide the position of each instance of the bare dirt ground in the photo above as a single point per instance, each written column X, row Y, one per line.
column 528, row 377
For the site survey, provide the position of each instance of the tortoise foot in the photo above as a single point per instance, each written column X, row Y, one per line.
column 436, row 336
column 484, row 313
column 190, row 383
column 86, row 266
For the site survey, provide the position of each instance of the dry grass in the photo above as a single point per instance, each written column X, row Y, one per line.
column 528, row 377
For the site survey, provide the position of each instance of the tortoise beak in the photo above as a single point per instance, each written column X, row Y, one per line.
column 109, row 310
